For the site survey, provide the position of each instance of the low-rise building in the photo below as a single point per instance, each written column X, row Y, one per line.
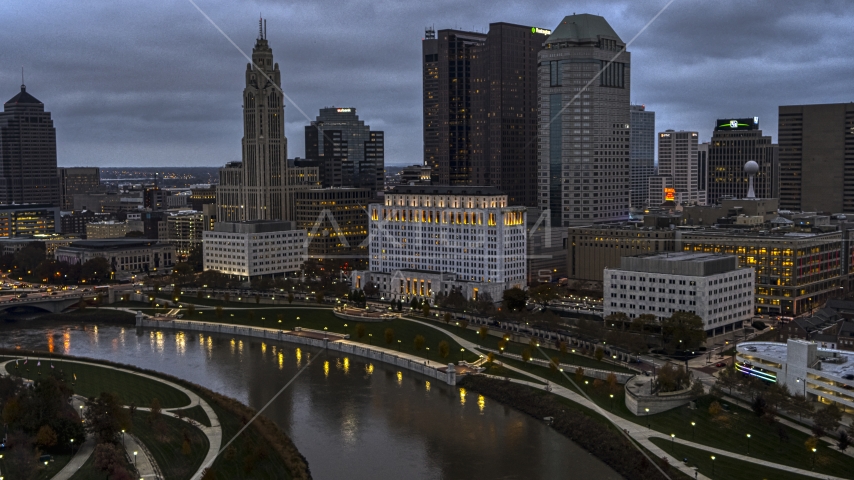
column 256, row 248
column 126, row 256
column 106, row 229
column 427, row 240
column 28, row 219
column 714, row 287
column 805, row 368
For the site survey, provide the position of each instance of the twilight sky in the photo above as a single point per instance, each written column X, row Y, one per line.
column 140, row 83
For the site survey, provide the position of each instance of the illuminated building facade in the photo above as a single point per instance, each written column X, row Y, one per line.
column 584, row 132
column 822, row 374
column 426, row 240
column 641, row 153
column 77, row 181
column 185, row 230
column 252, row 249
column 711, row 286
column 335, row 219
column 795, row 272
column 591, row 249
column 124, row 255
column 26, row 220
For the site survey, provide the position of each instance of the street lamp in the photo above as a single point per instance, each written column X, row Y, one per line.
column 134, row 458
column 648, row 424
column 72, row 447
column 713, row 464
column 748, row 444
column 461, row 353
column 612, row 402
column 672, row 441
column 123, row 438
column 813, row 458
column 398, row 345
column 428, row 352
column 693, row 424
column 370, row 339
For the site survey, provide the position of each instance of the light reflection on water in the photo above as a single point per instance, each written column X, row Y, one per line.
column 378, row 424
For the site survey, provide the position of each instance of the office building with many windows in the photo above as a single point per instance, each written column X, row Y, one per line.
column 817, row 157
column 77, row 181
column 430, row 240
column 641, row 154
column 253, row 249
column 584, row 83
column 348, row 152
column 734, row 143
column 677, row 159
column 712, row 286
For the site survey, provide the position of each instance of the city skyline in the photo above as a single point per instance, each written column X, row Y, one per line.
column 736, row 55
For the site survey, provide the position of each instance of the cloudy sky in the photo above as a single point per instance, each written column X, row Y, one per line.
column 153, row 83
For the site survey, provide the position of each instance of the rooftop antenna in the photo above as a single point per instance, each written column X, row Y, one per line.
column 22, row 77
column 260, row 27
column 265, row 28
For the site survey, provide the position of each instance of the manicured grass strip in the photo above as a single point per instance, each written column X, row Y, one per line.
column 44, row 472
column 165, row 439
column 197, row 413
column 317, row 319
column 501, row 371
column 725, row 468
column 491, row 342
column 93, row 380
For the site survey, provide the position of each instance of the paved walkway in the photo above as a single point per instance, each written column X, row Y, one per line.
column 145, row 465
column 213, row 433
column 639, row 433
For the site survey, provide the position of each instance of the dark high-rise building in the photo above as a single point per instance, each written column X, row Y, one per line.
column 817, row 157
column 348, row 152
column 77, row 181
column 734, row 143
column 27, row 152
column 480, row 108
column 584, row 79
column 641, row 153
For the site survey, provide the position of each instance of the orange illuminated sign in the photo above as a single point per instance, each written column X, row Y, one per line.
column 669, row 194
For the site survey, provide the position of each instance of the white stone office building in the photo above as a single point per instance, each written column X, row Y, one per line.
column 712, row 286
column 429, row 239
column 822, row 374
column 254, row 248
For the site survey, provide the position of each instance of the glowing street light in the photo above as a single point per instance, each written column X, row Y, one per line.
column 693, row 424
column 672, row 441
column 713, row 465
column 748, row 444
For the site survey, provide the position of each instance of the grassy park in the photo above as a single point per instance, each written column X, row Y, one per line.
column 177, row 447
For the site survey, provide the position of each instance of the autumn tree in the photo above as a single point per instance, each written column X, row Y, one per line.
column 444, row 349
column 418, row 343
column 389, row 335
column 360, row 330
column 483, row 332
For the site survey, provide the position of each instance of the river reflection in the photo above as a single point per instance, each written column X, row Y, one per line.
column 351, row 418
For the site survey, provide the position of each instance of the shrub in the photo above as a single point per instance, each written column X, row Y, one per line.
column 758, row 324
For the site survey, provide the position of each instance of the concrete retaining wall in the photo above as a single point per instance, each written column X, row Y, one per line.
column 421, row 366
column 638, row 404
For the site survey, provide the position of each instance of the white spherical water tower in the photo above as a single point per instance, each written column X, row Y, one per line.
column 751, row 168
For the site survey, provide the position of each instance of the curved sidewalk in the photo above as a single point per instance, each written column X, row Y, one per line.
column 213, row 433
column 636, row 431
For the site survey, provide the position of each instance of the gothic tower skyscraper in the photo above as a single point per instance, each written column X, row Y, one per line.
column 256, row 188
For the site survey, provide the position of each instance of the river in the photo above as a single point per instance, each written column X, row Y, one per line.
column 352, row 419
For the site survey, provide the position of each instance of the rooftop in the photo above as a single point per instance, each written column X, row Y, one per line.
column 23, row 98
column 444, row 190
column 778, row 352
column 584, row 26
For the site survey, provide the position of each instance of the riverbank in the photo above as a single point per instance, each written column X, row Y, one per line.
column 256, row 442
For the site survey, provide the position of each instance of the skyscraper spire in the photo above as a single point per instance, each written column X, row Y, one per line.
column 260, row 27
column 23, row 85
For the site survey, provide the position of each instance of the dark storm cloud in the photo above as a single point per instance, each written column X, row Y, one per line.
column 153, row 83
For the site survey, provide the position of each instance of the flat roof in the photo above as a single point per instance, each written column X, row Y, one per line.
column 778, row 351
column 684, row 256
column 445, row 190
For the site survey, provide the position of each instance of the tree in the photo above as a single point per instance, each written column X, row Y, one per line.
column 444, row 349
column 226, row 297
column 544, row 293
column 464, row 324
column 257, row 299
column 483, row 332
column 360, row 330
column 526, row 355
column 811, row 443
column 515, row 299
column 46, row 437
column 29, row 257
column 599, row 354
column 715, row 409
column 697, row 389
column 290, row 297
column 611, row 380
column 579, row 375
column 425, row 309
column 185, row 447
column 218, row 312
column 251, row 315
column 446, row 317
column 826, row 420
column 209, row 474
column 191, row 310
column 419, row 342
column 318, row 297
column 108, row 458
column 96, row 270
column 154, row 412
column 801, row 406
column 371, row 289
column 728, row 378
column 554, row 364
column 844, row 441
column 105, row 417
column 389, row 335
column 562, row 348
column 683, row 331
column 642, row 322
column 617, row 319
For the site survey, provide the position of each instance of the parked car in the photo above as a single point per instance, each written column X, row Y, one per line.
column 720, row 364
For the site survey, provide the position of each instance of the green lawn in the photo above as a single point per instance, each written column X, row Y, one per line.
column 45, row 472
column 513, row 347
column 501, row 371
column 165, row 441
column 197, row 413
column 93, row 380
column 725, row 468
